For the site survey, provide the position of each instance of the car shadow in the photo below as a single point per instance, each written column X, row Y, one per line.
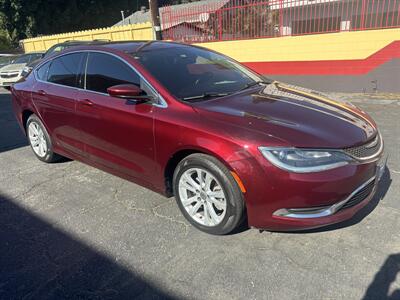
column 380, row 286
column 11, row 135
column 39, row 261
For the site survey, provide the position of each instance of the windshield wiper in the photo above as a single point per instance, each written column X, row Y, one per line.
column 251, row 84
column 205, row 96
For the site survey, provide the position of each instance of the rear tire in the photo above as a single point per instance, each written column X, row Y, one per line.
column 40, row 141
column 208, row 195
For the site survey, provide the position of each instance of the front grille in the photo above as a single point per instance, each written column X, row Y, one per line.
column 6, row 76
column 360, row 195
column 367, row 150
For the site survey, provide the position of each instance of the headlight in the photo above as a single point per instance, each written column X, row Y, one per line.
column 25, row 71
column 305, row 161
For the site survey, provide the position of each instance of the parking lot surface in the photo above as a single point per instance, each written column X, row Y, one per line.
column 68, row 230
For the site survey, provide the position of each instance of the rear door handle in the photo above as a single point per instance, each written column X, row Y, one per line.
column 42, row 92
column 86, row 102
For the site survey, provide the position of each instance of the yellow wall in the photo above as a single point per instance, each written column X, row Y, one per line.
column 329, row 46
column 118, row 33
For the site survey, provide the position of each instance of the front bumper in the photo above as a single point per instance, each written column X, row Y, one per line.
column 353, row 199
column 8, row 81
column 284, row 201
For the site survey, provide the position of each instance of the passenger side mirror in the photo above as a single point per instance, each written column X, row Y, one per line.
column 129, row 91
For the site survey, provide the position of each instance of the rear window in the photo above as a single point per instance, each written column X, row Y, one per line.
column 65, row 69
column 41, row 72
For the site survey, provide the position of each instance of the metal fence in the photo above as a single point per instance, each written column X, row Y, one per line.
column 247, row 19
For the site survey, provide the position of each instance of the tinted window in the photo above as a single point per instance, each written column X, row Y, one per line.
column 64, row 70
column 41, row 72
column 104, row 71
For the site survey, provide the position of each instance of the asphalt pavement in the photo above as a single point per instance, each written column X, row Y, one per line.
column 69, row 231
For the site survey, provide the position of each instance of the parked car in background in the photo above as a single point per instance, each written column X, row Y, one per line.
column 11, row 73
column 6, row 59
column 186, row 121
column 57, row 48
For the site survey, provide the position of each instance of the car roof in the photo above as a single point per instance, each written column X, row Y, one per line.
column 127, row 47
column 78, row 42
column 133, row 46
column 33, row 53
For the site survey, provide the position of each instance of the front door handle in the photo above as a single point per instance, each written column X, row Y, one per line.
column 86, row 102
column 41, row 92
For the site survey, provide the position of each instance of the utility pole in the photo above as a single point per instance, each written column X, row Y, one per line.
column 155, row 18
column 123, row 17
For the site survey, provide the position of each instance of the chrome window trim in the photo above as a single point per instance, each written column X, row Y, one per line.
column 162, row 103
column 319, row 212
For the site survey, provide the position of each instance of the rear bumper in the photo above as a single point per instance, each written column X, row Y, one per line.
column 284, row 201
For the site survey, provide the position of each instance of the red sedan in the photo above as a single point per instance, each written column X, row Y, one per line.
column 185, row 121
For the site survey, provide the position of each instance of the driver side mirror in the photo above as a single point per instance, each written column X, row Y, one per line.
column 129, row 91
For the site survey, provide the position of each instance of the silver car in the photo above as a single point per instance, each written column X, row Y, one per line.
column 11, row 73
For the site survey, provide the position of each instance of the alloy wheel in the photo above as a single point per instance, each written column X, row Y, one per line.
column 202, row 196
column 37, row 139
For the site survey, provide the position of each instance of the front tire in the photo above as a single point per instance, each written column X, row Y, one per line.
column 207, row 194
column 40, row 141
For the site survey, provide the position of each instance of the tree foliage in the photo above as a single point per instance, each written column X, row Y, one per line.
column 27, row 18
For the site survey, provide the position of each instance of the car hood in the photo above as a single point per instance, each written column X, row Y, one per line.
column 12, row 68
column 296, row 116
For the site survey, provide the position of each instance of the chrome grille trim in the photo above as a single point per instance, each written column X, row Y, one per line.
column 6, row 75
column 360, row 196
column 368, row 151
column 319, row 212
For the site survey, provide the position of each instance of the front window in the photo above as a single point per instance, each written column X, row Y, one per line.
column 190, row 72
column 104, row 71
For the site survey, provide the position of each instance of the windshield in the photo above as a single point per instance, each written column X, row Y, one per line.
column 23, row 59
column 190, row 72
column 6, row 59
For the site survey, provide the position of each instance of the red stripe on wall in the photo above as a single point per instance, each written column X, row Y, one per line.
column 328, row 67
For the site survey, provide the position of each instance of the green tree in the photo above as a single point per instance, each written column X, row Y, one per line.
column 16, row 19
column 27, row 18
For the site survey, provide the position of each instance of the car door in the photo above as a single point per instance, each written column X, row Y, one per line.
column 117, row 133
column 54, row 96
